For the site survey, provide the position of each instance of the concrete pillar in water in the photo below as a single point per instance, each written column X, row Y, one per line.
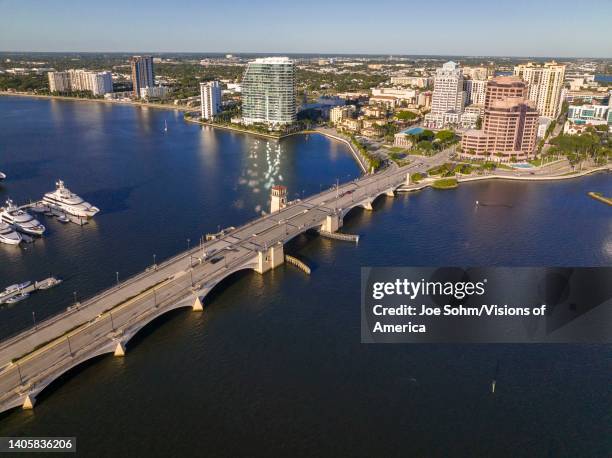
column 270, row 258
column 332, row 223
column 120, row 349
column 28, row 403
column 197, row 305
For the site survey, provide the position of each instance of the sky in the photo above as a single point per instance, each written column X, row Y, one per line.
column 531, row 28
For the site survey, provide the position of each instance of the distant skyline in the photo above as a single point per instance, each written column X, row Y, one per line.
column 469, row 28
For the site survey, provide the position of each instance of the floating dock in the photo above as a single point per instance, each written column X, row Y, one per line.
column 47, row 283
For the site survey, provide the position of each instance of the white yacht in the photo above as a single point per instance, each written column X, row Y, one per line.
column 20, row 219
column 2, row 176
column 8, row 234
column 66, row 201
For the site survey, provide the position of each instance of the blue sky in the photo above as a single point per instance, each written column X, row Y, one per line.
column 462, row 27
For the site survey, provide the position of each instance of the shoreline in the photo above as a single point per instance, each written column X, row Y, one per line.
column 430, row 181
column 159, row 106
column 193, row 121
column 354, row 152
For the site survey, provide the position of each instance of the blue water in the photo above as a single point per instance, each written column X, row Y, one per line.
column 274, row 366
column 522, row 166
column 413, row 130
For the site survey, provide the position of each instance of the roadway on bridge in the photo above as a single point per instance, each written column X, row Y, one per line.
column 34, row 355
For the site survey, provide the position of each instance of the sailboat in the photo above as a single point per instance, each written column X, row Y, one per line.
column 165, row 126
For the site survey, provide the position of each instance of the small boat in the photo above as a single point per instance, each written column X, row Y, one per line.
column 47, row 283
column 2, row 176
column 13, row 289
column 39, row 208
column 17, row 298
column 63, row 219
column 165, row 126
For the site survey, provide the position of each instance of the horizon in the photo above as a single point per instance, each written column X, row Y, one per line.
column 393, row 56
column 466, row 29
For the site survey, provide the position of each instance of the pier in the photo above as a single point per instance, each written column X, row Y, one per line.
column 105, row 323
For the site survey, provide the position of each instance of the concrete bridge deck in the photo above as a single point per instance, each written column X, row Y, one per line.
column 31, row 360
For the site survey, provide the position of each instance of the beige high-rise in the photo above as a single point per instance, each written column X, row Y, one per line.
column 544, row 84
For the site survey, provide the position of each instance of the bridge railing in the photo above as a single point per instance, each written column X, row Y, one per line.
column 55, row 317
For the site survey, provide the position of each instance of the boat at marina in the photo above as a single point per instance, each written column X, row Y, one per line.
column 14, row 289
column 47, row 283
column 20, row 219
column 17, row 298
column 66, row 201
column 63, row 219
column 8, row 235
column 2, row 176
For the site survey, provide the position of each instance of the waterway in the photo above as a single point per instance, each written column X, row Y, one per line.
column 275, row 365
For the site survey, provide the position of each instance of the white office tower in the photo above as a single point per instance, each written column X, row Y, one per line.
column 210, row 99
column 268, row 92
column 448, row 92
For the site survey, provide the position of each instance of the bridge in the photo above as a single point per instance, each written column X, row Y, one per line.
column 105, row 323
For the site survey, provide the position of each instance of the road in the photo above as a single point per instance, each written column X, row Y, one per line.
column 36, row 356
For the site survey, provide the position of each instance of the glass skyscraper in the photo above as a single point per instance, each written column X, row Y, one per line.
column 268, row 91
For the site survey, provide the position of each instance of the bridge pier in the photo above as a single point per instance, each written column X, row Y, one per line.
column 332, row 223
column 28, row 403
column 119, row 349
column 390, row 193
column 368, row 206
column 270, row 258
column 197, row 305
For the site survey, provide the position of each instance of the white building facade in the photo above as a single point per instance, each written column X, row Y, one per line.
column 475, row 91
column 269, row 92
column 210, row 99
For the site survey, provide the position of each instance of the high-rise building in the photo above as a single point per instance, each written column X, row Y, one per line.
column 79, row 80
column 544, row 84
column 59, row 81
column 101, row 83
column 268, row 91
column 98, row 83
column 448, row 92
column 509, row 131
column 478, row 73
column 210, row 99
column 142, row 73
column 475, row 91
column 503, row 87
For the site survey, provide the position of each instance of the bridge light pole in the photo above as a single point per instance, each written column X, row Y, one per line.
column 75, row 297
column 34, row 318
column 19, row 371
column 69, row 346
column 154, row 264
column 117, row 275
column 188, row 242
column 112, row 321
